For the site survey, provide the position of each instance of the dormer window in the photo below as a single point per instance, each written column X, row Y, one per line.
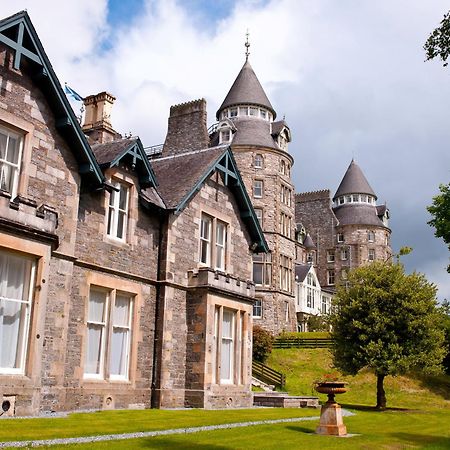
column 224, row 136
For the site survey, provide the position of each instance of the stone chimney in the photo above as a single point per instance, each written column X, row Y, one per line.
column 187, row 128
column 97, row 120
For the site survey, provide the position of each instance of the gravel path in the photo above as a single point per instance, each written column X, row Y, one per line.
column 115, row 437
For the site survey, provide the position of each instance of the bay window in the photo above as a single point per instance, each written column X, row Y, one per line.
column 17, row 275
column 108, row 340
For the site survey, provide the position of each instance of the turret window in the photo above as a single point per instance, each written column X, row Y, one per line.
column 258, row 189
column 253, row 111
column 243, row 111
column 233, row 112
column 371, row 254
column 371, row 236
column 258, row 161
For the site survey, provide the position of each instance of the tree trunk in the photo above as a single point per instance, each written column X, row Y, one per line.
column 381, row 395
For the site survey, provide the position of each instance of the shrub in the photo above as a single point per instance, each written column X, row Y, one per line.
column 262, row 344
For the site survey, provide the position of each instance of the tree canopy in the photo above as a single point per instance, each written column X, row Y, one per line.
column 387, row 321
column 440, row 210
column 438, row 43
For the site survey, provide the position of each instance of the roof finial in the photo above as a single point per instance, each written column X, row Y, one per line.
column 247, row 46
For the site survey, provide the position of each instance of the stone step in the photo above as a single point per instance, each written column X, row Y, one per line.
column 284, row 400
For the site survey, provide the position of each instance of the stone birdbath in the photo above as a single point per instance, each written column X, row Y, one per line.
column 331, row 422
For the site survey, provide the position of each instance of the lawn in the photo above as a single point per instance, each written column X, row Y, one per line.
column 419, row 417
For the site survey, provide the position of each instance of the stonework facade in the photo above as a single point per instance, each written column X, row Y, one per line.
column 125, row 282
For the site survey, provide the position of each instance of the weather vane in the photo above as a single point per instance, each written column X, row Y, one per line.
column 247, row 46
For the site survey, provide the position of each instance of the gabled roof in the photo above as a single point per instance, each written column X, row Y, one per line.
column 354, row 182
column 247, row 90
column 110, row 154
column 301, row 270
column 181, row 176
column 18, row 33
column 279, row 126
column 308, row 242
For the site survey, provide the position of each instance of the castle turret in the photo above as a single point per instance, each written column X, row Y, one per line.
column 260, row 146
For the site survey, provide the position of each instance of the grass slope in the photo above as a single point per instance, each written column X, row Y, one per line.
column 303, row 366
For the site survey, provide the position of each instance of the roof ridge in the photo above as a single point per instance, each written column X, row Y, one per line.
column 192, row 152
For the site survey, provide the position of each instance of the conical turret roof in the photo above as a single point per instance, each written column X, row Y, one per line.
column 247, row 90
column 354, row 182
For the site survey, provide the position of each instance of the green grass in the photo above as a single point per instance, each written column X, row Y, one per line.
column 419, row 417
column 126, row 421
column 387, row 430
column 303, row 366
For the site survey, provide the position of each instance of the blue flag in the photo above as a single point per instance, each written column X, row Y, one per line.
column 71, row 93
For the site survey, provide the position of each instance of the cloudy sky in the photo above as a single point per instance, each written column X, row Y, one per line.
column 349, row 76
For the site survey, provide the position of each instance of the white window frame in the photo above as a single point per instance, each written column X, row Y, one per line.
column 25, row 320
column 371, row 236
column 258, row 188
column 340, row 237
column 221, row 244
column 258, row 308
column 330, row 256
column 6, row 163
column 108, row 327
column 259, row 212
column 330, row 277
column 213, row 246
column 344, row 254
column 114, row 211
column 206, row 227
column 371, row 254
column 258, row 161
column 231, row 340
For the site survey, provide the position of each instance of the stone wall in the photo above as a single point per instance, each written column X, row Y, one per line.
column 273, row 297
column 187, row 128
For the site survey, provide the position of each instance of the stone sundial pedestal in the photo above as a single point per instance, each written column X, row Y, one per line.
column 331, row 422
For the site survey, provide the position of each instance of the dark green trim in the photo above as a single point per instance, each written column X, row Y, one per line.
column 46, row 79
column 226, row 165
column 140, row 162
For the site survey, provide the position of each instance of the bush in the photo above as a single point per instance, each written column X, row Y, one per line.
column 262, row 344
column 318, row 323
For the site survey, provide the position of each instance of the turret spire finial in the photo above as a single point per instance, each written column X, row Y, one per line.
column 247, row 46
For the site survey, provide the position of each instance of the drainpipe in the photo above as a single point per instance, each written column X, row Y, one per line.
column 162, row 251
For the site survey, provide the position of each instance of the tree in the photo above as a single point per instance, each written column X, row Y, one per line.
column 387, row 321
column 440, row 210
column 262, row 344
column 438, row 43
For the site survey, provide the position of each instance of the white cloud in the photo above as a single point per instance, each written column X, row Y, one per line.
column 349, row 76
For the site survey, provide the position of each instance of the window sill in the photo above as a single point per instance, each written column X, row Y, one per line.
column 116, row 241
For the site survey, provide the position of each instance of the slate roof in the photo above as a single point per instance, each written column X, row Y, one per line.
column 150, row 195
column 357, row 214
column 354, row 182
column 301, row 270
column 246, row 89
column 278, row 126
column 107, row 152
column 178, row 174
column 252, row 131
column 308, row 242
column 381, row 209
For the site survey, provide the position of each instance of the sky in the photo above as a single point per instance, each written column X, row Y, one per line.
column 349, row 76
